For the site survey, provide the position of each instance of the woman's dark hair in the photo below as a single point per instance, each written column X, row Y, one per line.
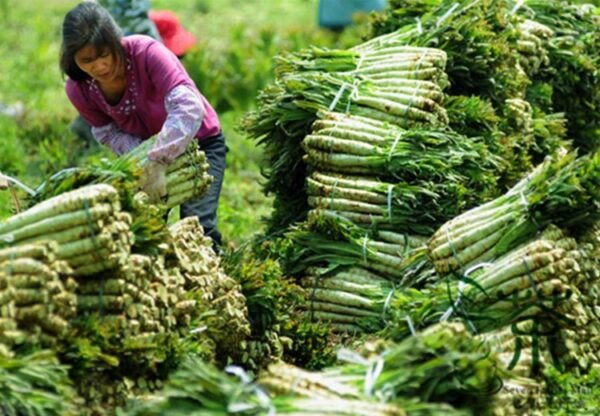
column 88, row 23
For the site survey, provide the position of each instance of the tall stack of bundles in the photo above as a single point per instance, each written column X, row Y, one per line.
column 118, row 333
column 127, row 329
column 213, row 299
column 379, row 176
column 396, row 85
column 187, row 176
column 511, row 49
column 42, row 294
column 91, row 231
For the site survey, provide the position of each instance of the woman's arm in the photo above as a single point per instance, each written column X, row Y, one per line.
column 115, row 139
column 185, row 113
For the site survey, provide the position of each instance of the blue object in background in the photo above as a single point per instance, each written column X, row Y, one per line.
column 335, row 14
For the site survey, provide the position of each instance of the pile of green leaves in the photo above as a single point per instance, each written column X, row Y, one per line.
column 35, row 384
column 477, row 37
column 568, row 393
column 482, row 40
column 573, row 71
column 272, row 299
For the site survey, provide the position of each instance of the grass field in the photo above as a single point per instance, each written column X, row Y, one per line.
column 237, row 41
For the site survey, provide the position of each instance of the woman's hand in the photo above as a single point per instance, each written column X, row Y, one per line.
column 154, row 181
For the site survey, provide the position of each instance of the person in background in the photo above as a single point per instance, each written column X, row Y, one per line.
column 130, row 88
column 132, row 16
column 173, row 35
column 337, row 14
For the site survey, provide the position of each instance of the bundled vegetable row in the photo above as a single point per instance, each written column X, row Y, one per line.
column 577, row 344
column 529, row 281
column 139, row 313
column 38, row 296
column 91, row 231
column 446, row 358
column 330, row 238
column 210, row 292
column 133, row 305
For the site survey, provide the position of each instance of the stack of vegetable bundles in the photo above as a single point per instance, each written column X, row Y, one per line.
column 91, row 231
column 38, row 296
column 140, row 313
column 92, row 269
column 379, row 157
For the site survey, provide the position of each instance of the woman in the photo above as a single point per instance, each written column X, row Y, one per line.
column 131, row 88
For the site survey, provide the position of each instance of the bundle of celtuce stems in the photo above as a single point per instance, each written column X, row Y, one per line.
column 38, row 296
column 351, row 300
column 527, row 282
column 443, row 363
column 91, row 231
column 187, row 176
column 330, row 238
column 385, row 174
column 399, row 85
column 562, row 190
